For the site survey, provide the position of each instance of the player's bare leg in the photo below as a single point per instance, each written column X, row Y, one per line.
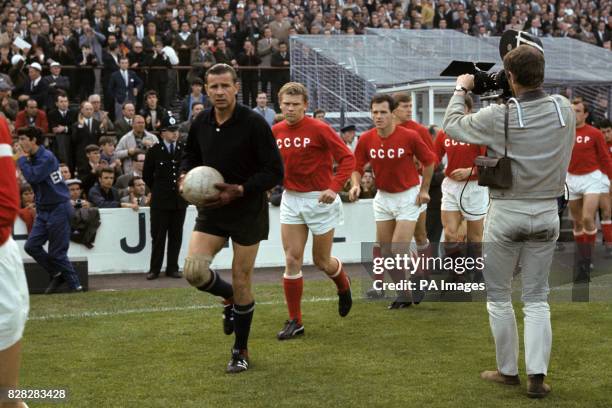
column 244, row 304
column 294, row 237
column 202, row 249
column 453, row 244
column 606, row 222
column 9, row 373
column 332, row 266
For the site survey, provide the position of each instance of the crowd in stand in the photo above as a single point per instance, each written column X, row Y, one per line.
column 98, row 77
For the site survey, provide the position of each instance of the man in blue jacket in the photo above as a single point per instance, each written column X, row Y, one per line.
column 52, row 223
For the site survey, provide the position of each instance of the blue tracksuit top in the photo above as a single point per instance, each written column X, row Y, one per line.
column 43, row 173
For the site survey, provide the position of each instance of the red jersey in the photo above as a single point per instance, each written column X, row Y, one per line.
column 392, row 158
column 9, row 193
column 309, row 149
column 460, row 155
column 590, row 152
column 421, row 130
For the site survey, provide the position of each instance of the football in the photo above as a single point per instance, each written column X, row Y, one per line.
column 199, row 185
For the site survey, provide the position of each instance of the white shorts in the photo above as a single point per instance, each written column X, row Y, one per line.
column 397, row 206
column 423, row 207
column 605, row 184
column 579, row 185
column 305, row 208
column 475, row 198
column 14, row 298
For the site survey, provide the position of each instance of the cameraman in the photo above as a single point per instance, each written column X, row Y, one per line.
column 522, row 223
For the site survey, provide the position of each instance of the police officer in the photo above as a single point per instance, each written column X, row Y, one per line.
column 52, row 223
column 522, row 223
column 161, row 172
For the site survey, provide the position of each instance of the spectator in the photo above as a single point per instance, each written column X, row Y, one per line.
column 88, row 174
column 124, row 124
column 319, row 114
column 86, row 60
column 104, row 195
column 279, row 59
column 76, row 194
column 124, row 86
column 92, row 39
column 265, row 48
column 34, row 88
column 263, row 109
column 124, row 180
column 279, row 28
column 152, row 112
column 159, row 74
column 32, row 116
column 224, row 55
column 99, row 114
column 201, row 59
column 196, row 95
column 137, row 138
column 27, row 212
column 65, row 171
column 137, row 194
column 54, row 83
column 347, row 133
column 108, row 155
column 249, row 76
column 368, row 188
column 61, row 120
column 8, row 106
column 85, row 131
column 183, row 43
column 184, row 127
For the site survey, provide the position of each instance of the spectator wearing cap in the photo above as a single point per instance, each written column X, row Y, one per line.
column 263, row 109
column 76, row 194
column 55, row 82
column 196, row 95
column 8, row 106
column 161, row 173
column 34, row 88
column 32, row 116
column 347, row 133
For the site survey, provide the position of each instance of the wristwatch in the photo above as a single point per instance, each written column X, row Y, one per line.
column 461, row 88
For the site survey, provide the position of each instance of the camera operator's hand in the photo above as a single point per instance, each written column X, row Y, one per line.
column 466, row 81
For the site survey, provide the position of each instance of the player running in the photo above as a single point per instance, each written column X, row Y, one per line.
column 390, row 149
column 462, row 197
column 310, row 201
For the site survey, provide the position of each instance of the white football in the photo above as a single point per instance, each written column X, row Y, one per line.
column 199, row 185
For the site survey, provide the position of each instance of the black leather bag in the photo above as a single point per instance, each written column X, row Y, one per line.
column 496, row 172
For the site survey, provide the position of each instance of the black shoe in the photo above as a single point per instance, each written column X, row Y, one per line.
column 400, row 303
column 57, row 281
column 238, row 363
column 152, row 275
column 291, row 330
column 228, row 319
column 174, row 274
column 345, row 302
column 375, row 294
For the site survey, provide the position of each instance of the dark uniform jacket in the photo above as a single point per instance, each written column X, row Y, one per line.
column 161, row 172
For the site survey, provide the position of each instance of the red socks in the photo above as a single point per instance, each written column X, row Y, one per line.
column 294, row 286
column 340, row 278
column 606, row 228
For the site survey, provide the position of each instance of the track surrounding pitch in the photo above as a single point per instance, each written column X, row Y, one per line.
column 165, row 348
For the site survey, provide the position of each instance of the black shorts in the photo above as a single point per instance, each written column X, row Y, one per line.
column 244, row 227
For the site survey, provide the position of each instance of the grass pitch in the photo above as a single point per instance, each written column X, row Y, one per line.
column 165, row 348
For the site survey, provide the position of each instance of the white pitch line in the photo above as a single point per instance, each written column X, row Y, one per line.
column 159, row 310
